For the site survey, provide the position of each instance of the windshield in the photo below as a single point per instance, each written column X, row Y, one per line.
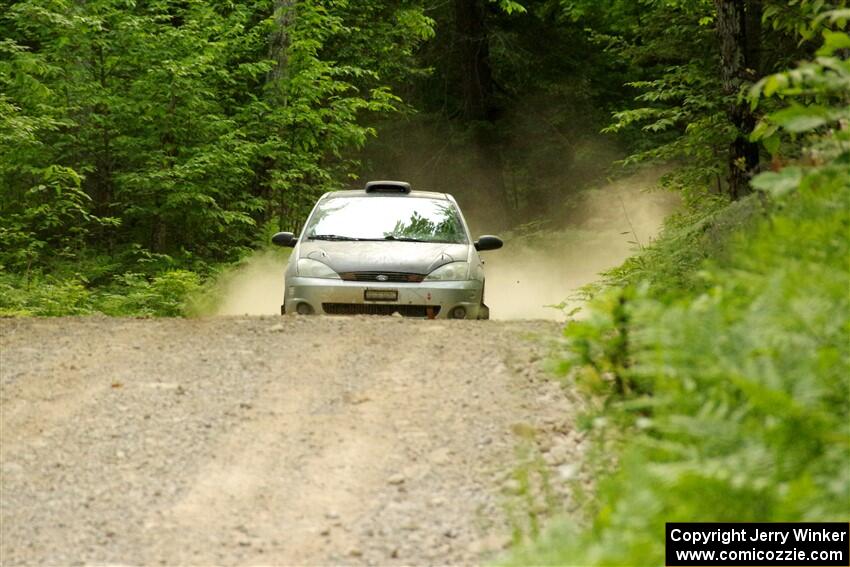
column 386, row 218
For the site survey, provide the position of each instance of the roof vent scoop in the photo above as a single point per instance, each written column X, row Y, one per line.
column 388, row 187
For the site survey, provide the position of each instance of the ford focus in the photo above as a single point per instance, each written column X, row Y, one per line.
column 386, row 250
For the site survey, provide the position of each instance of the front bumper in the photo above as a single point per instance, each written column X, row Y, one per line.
column 438, row 300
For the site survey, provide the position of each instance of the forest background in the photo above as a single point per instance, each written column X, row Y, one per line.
column 147, row 145
column 144, row 145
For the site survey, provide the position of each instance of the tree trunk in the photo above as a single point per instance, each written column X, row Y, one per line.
column 284, row 16
column 735, row 49
column 752, row 57
column 476, row 79
column 479, row 107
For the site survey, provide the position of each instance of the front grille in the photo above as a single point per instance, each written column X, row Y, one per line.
column 390, row 277
column 380, row 309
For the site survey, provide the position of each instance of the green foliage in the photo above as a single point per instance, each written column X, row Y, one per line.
column 726, row 388
column 803, row 18
column 681, row 113
column 748, row 415
column 45, row 297
column 168, row 294
column 823, row 85
column 52, row 218
column 182, row 126
column 738, row 405
column 162, row 135
column 689, row 239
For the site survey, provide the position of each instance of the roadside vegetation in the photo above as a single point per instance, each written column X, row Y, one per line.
column 141, row 143
column 720, row 356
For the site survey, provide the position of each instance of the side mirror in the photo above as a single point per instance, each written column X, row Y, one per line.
column 488, row 242
column 284, row 239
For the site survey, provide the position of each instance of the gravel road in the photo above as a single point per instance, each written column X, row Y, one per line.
column 274, row 441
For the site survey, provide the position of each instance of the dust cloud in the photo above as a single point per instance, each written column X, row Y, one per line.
column 253, row 287
column 539, row 270
column 539, row 266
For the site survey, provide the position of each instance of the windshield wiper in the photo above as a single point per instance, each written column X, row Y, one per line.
column 404, row 238
column 389, row 237
column 331, row 237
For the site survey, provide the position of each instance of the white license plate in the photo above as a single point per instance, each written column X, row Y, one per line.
column 380, row 295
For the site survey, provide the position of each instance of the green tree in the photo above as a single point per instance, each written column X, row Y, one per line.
column 191, row 123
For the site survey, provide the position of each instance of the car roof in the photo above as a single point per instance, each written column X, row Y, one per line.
column 362, row 193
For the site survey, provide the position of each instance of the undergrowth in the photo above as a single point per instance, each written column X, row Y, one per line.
column 720, row 356
column 168, row 294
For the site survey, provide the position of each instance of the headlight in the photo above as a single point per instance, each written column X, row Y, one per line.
column 315, row 269
column 452, row 271
column 477, row 272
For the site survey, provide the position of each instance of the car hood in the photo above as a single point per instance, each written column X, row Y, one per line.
column 388, row 256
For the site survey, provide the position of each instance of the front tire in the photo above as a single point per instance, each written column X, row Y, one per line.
column 483, row 313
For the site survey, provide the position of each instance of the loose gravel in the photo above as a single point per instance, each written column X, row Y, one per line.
column 276, row 441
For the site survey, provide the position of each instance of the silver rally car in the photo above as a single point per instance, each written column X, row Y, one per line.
column 386, row 250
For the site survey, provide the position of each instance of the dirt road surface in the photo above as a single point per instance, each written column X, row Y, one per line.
column 270, row 441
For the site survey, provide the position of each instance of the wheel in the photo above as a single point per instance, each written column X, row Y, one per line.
column 484, row 312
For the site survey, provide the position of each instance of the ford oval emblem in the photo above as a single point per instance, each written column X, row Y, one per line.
column 382, row 278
